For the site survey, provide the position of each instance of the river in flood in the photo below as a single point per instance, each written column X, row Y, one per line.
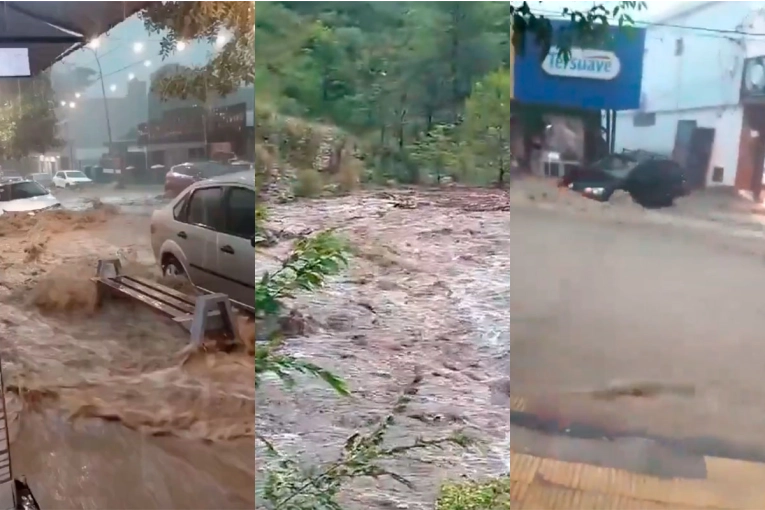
column 426, row 293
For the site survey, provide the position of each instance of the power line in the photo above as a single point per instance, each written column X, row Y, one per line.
column 648, row 24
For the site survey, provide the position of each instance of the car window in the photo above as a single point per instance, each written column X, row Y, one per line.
column 59, row 175
column 213, row 169
column 75, row 175
column 178, row 209
column 26, row 189
column 205, row 208
column 240, row 212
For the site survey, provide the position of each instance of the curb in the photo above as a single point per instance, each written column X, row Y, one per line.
column 541, row 483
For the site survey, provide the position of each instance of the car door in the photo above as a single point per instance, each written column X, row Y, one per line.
column 198, row 236
column 236, row 253
column 58, row 179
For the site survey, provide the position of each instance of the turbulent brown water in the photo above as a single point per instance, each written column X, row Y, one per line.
column 110, row 408
column 426, row 293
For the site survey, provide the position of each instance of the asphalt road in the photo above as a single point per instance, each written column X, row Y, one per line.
column 599, row 301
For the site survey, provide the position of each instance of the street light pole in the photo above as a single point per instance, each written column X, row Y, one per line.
column 103, row 95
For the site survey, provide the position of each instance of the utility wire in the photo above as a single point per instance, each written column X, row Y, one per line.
column 648, row 24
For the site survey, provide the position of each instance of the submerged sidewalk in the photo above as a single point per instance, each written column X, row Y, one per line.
column 553, row 470
column 547, row 484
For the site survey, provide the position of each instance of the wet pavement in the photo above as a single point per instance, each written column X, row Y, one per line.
column 637, row 351
column 597, row 301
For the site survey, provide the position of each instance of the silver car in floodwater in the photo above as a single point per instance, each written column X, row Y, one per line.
column 207, row 233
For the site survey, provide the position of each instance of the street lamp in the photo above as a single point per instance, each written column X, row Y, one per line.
column 77, row 95
column 137, row 47
column 131, row 76
column 180, row 45
column 147, row 63
column 93, row 47
column 72, row 104
column 113, row 87
column 63, row 103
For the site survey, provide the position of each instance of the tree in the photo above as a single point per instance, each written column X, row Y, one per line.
column 487, row 122
column 437, row 151
column 586, row 26
column 68, row 80
column 27, row 120
column 232, row 66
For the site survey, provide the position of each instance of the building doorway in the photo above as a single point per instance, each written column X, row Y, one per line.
column 752, row 147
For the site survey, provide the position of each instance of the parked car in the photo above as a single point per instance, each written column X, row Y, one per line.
column 70, row 179
column 207, row 234
column 25, row 196
column 44, row 180
column 184, row 175
column 651, row 180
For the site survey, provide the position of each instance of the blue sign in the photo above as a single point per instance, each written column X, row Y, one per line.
column 606, row 78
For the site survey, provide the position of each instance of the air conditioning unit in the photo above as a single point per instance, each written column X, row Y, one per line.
column 753, row 78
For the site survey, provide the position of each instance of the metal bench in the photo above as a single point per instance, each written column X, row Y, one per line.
column 208, row 313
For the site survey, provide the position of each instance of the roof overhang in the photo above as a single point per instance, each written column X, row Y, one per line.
column 52, row 30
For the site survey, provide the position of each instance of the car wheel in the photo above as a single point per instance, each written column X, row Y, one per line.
column 172, row 268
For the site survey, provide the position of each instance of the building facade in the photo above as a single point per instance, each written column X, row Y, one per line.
column 692, row 106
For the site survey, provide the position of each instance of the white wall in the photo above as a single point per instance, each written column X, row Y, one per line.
column 692, row 74
column 661, row 136
column 687, row 68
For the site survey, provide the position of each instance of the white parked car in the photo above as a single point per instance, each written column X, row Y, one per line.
column 208, row 234
column 70, row 178
column 26, row 197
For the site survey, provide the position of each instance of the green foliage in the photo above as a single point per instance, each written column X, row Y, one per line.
column 312, row 259
column 27, row 119
column 487, row 124
column 589, row 27
column 437, row 152
column 230, row 68
column 490, row 495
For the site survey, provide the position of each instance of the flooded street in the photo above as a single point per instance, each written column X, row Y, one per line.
column 425, row 297
column 108, row 408
column 605, row 295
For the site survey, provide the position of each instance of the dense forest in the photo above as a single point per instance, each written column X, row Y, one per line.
column 420, row 91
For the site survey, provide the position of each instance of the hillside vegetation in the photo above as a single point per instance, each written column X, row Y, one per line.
column 413, row 92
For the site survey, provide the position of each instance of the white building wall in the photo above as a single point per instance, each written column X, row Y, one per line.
column 692, row 74
column 660, row 137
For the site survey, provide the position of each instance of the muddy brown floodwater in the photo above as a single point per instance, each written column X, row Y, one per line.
column 427, row 292
column 108, row 407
